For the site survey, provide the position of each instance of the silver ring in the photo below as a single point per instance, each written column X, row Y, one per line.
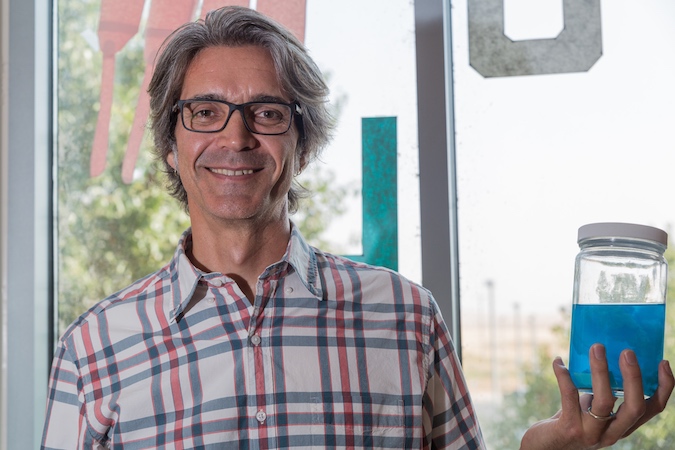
column 603, row 418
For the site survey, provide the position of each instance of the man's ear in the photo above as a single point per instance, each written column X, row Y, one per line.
column 172, row 158
column 302, row 164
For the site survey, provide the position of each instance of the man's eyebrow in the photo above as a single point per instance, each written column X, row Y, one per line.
column 207, row 97
column 269, row 98
column 257, row 98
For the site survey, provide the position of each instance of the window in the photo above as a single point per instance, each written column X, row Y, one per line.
column 535, row 156
column 547, row 142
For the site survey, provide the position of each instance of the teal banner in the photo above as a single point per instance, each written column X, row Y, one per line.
column 379, row 193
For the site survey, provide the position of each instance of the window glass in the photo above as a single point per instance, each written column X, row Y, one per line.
column 366, row 51
column 550, row 139
column 113, row 226
column 116, row 221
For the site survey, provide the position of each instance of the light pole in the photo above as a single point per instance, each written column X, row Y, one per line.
column 492, row 330
column 518, row 345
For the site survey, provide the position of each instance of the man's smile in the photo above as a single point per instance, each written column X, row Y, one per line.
column 232, row 173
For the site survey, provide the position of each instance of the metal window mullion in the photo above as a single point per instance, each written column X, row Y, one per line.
column 438, row 204
column 27, row 219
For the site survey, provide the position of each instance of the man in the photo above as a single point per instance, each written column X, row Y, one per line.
column 249, row 337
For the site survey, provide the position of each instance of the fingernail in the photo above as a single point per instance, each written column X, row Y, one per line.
column 631, row 359
column 668, row 369
column 599, row 352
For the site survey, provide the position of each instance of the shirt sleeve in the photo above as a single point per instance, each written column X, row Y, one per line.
column 450, row 418
column 65, row 419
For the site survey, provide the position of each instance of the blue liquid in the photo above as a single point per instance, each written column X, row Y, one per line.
column 618, row 327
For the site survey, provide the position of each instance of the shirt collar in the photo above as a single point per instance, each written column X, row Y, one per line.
column 302, row 257
column 299, row 255
column 184, row 276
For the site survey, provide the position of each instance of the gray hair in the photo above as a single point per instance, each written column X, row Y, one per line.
column 235, row 26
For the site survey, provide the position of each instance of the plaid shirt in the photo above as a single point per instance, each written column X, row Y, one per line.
column 332, row 353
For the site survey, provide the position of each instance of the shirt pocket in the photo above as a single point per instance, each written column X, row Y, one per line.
column 358, row 421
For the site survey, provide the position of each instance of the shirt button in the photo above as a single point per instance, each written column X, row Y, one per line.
column 217, row 282
column 261, row 416
column 289, row 290
column 255, row 340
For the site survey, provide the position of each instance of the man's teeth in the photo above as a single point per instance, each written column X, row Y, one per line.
column 232, row 173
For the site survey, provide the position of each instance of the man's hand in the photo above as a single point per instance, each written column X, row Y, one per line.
column 588, row 421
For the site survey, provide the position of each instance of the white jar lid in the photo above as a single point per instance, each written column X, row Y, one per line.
column 622, row 230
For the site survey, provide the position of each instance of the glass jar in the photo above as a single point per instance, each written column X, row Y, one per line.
column 619, row 300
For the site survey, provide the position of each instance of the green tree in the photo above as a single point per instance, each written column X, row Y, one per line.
column 109, row 233
column 539, row 399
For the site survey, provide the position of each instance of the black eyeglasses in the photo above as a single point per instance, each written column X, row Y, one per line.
column 212, row 116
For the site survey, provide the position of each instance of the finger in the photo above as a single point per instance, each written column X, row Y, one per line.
column 633, row 392
column 603, row 398
column 585, row 401
column 634, row 406
column 658, row 401
column 569, row 395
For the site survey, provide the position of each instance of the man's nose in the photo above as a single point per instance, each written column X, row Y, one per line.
column 235, row 132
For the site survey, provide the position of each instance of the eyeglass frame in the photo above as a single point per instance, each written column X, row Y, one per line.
column 296, row 110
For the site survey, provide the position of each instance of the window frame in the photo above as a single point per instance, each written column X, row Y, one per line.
column 26, row 244
column 438, row 187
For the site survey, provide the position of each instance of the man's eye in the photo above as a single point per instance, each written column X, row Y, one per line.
column 205, row 112
column 270, row 114
column 202, row 113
